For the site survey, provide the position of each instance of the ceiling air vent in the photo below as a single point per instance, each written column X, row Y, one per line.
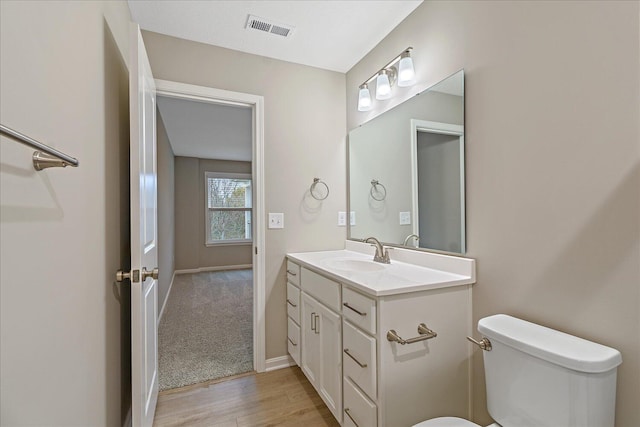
column 268, row 26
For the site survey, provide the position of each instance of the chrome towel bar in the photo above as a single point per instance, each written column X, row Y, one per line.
column 425, row 334
column 45, row 157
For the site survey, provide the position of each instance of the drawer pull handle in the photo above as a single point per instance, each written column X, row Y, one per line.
column 313, row 321
column 290, row 303
column 291, row 341
column 362, row 365
column 346, row 411
column 425, row 334
column 346, row 304
column 293, row 273
column 317, row 324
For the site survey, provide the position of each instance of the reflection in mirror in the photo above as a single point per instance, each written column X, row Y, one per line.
column 414, row 155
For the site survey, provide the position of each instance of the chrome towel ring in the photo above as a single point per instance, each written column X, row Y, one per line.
column 319, row 189
column 378, row 191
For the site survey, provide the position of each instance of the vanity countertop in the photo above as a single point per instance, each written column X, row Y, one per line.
column 358, row 270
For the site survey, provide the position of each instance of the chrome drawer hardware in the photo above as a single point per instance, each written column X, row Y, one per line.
column 293, row 273
column 313, row 322
column 346, row 304
column 362, row 365
column 346, row 411
column 484, row 343
column 425, row 334
column 291, row 341
column 290, row 303
column 317, row 324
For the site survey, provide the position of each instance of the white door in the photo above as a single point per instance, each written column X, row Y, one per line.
column 144, row 234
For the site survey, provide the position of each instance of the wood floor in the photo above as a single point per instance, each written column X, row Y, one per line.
column 278, row 398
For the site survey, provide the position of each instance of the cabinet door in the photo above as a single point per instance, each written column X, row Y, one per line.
column 330, row 333
column 310, row 355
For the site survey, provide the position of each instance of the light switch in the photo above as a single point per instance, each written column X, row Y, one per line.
column 342, row 219
column 352, row 218
column 276, row 220
column 405, row 218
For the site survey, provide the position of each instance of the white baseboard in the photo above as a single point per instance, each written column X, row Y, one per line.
column 166, row 298
column 279, row 363
column 219, row 268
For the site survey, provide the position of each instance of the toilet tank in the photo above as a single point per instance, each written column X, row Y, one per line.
column 540, row 377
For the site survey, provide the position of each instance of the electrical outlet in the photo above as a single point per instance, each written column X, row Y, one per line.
column 352, row 218
column 276, row 220
column 342, row 219
column 405, row 218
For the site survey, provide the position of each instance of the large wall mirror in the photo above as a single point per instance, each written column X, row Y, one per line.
column 406, row 172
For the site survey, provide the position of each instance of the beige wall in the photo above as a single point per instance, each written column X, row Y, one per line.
column 166, row 212
column 191, row 250
column 305, row 128
column 64, row 356
column 553, row 162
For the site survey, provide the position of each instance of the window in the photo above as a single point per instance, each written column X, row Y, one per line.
column 228, row 202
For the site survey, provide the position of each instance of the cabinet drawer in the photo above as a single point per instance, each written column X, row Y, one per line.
column 293, row 340
column 359, row 309
column 359, row 411
column 293, row 272
column 293, row 302
column 359, row 359
column 325, row 290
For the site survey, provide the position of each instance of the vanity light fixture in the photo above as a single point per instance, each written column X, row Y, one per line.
column 401, row 67
column 364, row 98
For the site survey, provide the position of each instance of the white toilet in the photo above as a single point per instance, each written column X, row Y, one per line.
column 540, row 377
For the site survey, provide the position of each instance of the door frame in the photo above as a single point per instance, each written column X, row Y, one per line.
column 256, row 102
column 441, row 129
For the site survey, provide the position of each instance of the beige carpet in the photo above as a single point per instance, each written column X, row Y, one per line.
column 206, row 331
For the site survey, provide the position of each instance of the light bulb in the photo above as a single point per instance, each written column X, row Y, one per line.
column 383, row 85
column 406, row 72
column 364, row 98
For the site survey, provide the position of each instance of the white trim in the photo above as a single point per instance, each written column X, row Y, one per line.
column 279, row 363
column 442, row 129
column 256, row 102
column 166, row 298
column 127, row 419
column 219, row 268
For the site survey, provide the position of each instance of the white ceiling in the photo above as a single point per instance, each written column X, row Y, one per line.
column 332, row 35
column 207, row 131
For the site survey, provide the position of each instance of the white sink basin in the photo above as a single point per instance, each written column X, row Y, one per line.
column 354, row 265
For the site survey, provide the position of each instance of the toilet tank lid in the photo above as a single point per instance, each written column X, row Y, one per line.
column 548, row 344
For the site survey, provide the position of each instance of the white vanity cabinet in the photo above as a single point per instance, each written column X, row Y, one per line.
column 365, row 379
column 319, row 328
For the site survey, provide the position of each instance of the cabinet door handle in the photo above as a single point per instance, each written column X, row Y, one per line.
column 290, row 303
column 362, row 365
column 317, row 324
column 291, row 341
column 346, row 411
column 313, row 321
column 293, row 273
column 346, row 304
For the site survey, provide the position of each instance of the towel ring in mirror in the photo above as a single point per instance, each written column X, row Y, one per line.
column 378, row 191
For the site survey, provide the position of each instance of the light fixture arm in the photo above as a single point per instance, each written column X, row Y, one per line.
column 388, row 66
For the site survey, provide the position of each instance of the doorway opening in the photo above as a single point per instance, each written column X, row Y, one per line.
column 211, row 233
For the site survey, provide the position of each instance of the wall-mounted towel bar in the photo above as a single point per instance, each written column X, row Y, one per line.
column 45, row 157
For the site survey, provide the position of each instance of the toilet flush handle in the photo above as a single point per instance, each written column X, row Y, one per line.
column 484, row 343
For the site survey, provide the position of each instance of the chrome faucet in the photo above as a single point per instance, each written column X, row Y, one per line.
column 409, row 237
column 382, row 254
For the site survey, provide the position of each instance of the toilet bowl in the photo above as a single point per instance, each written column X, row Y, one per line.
column 450, row 422
column 532, row 374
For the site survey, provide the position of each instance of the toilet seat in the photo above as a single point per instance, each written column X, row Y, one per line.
column 446, row 422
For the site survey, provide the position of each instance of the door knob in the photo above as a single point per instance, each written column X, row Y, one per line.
column 134, row 275
column 153, row 273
